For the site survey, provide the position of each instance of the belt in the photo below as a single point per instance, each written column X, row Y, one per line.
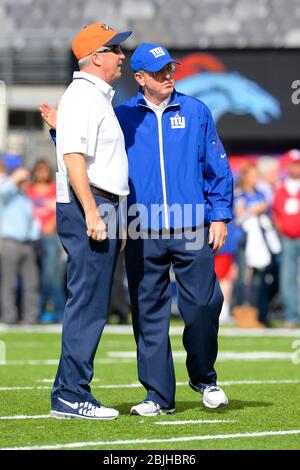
column 100, row 192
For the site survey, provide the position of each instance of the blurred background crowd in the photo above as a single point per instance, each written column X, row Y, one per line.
column 242, row 59
column 257, row 268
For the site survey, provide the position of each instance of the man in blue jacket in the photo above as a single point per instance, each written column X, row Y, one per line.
column 181, row 188
column 178, row 172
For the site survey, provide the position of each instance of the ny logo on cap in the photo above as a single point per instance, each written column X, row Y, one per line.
column 157, row 52
column 106, row 27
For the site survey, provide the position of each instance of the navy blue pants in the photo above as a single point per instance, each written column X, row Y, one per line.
column 199, row 301
column 90, row 271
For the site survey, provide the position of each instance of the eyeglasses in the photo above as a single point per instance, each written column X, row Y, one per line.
column 115, row 49
column 169, row 68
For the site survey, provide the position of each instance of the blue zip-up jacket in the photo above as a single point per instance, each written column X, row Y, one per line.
column 175, row 165
column 178, row 161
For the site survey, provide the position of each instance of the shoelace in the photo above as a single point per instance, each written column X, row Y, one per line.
column 88, row 409
column 150, row 401
column 213, row 389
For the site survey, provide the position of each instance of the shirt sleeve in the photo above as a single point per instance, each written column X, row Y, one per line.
column 52, row 133
column 78, row 125
column 218, row 176
column 7, row 189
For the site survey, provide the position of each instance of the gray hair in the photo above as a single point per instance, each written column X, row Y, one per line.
column 266, row 163
column 84, row 62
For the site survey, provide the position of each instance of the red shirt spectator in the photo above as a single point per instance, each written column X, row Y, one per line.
column 42, row 193
column 286, row 206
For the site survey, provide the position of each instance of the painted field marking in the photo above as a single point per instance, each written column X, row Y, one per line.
column 222, row 356
column 174, row 330
column 25, row 417
column 72, row 445
column 195, row 421
column 226, row 383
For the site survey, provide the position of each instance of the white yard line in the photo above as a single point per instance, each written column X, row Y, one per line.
column 54, row 362
column 26, row 417
column 174, row 330
column 222, row 356
column 73, row 445
column 250, row 332
column 195, row 421
column 127, row 357
column 16, row 388
column 226, row 383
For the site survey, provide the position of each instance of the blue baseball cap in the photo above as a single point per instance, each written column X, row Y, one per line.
column 150, row 57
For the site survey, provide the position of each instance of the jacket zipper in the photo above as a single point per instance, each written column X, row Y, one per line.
column 162, row 161
column 162, row 169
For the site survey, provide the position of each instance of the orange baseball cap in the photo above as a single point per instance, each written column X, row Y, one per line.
column 94, row 36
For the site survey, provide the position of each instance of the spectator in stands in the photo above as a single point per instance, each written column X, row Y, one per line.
column 254, row 251
column 18, row 261
column 286, row 215
column 2, row 176
column 269, row 179
column 2, row 170
column 42, row 193
column 226, row 270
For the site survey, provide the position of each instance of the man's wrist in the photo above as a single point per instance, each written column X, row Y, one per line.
column 225, row 221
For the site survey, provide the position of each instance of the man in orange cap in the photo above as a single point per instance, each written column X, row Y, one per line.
column 92, row 176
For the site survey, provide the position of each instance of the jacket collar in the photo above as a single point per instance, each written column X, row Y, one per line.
column 174, row 101
column 104, row 87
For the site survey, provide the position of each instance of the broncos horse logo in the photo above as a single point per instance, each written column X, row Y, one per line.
column 205, row 77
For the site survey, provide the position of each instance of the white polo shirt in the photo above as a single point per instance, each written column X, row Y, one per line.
column 87, row 124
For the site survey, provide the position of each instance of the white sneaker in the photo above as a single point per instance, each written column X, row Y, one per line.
column 149, row 408
column 214, row 396
column 83, row 410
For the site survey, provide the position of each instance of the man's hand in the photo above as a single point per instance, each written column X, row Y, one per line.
column 96, row 228
column 259, row 208
column 19, row 175
column 217, row 235
column 48, row 114
column 76, row 168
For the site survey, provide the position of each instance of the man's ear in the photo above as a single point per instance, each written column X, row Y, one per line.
column 97, row 59
column 139, row 78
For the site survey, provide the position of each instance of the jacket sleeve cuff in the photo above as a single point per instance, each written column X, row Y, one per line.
column 220, row 214
column 53, row 135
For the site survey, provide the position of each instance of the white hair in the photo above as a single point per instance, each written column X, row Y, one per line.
column 84, row 62
column 266, row 163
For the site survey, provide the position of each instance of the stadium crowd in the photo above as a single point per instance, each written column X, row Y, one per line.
column 258, row 268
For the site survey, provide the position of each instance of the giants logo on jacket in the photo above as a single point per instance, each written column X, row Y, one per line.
column 177, row 122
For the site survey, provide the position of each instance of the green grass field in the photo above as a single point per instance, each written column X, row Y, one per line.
column 260, row 375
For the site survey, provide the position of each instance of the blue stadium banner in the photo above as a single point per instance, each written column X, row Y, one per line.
column 254, row 94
